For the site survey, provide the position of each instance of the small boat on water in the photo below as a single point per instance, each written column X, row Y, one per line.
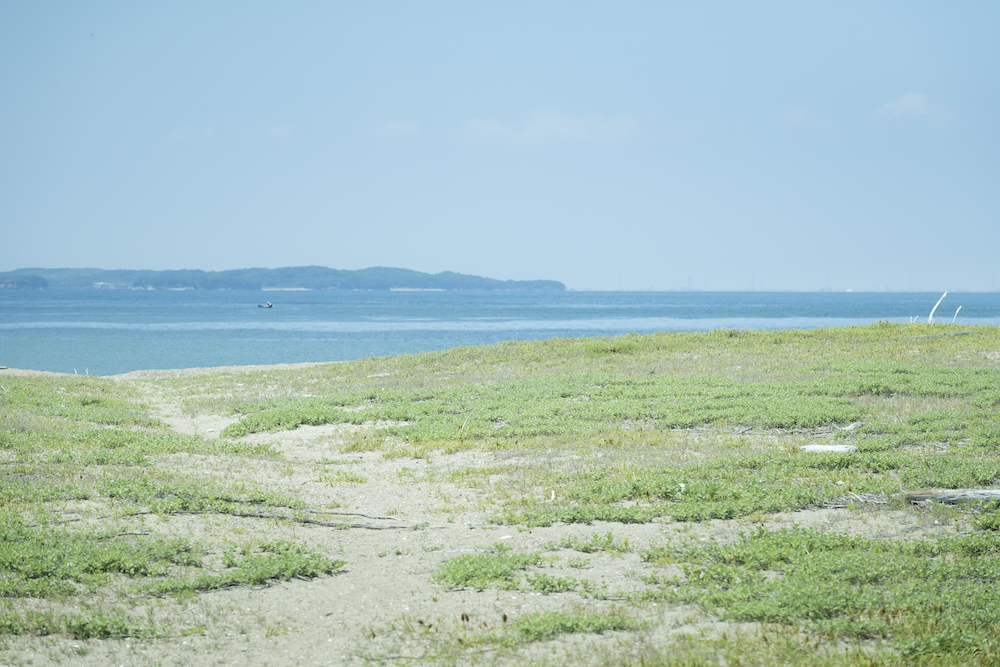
column 265, row 305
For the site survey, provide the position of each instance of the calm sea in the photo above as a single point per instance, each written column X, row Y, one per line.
column 114, row 331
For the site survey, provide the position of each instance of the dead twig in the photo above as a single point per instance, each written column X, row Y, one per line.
column 317, row 522
column 952, row 333
column 255, row 515
column 335, row 513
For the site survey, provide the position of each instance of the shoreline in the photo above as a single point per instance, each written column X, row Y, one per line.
column 154, row 373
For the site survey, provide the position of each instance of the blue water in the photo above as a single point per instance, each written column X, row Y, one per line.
column 107, row 332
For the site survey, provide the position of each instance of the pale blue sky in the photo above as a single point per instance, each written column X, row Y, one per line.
column 608, row 145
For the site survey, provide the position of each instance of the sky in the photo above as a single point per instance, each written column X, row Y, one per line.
column 612, row 145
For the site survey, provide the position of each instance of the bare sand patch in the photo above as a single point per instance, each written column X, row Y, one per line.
column 154, row 374
column 22, row 372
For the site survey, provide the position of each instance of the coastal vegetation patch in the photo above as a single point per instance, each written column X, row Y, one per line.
column 78, row 479
column 730, row 496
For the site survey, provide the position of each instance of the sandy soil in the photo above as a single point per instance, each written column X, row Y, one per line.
column 417, row 520
column 189, row 372
column 21, row 372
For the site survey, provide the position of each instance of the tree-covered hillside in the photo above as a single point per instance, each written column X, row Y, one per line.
column 22, row 281
column 302, row 277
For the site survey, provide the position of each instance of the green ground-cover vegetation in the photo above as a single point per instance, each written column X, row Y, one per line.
column 632, row 409
column 72, row 440
column 666, row 430
column 725, row 354
column 453, row 645
column 913, row 602
column 929, row 597
column 586, row 405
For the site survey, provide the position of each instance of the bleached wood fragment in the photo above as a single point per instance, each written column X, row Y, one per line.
column 849, row 427
column 835, row 449
column 952, row 496
column 852, row 499
column 930, row 318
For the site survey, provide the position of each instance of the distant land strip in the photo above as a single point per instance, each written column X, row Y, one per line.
column 288, row 278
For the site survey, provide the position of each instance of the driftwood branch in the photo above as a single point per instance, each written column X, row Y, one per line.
column 308, row 510
column 317, row 522
column 854, row 499
column 849, row 427
column 930, row 318
column 952, row 496
column 953, row 333
column 259, row 515
column 828, row 449
column 335, row 513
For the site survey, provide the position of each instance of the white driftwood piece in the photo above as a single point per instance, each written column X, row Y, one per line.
column 930, row 318
column 849, row 427
column 836, row 449
column 952, row 496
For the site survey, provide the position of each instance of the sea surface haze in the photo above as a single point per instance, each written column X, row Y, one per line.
column 105, row 332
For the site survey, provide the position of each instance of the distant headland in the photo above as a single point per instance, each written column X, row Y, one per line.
column 289, row 278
